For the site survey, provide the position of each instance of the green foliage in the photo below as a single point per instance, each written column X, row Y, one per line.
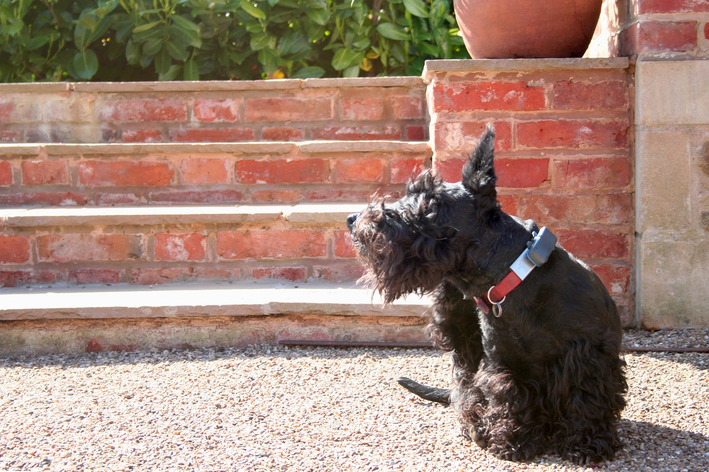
column 124, row 40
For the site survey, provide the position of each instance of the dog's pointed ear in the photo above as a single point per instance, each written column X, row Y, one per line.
column 479, row 173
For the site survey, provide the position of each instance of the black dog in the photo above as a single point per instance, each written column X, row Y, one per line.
column 538, row 371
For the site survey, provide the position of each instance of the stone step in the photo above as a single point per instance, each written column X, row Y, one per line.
column 212, row 173
column 367, row 108
column 77, row 319
column 151, row 245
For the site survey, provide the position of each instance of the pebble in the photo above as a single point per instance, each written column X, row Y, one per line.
column 271, row 408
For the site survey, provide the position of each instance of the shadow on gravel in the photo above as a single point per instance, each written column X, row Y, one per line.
column 659, row 447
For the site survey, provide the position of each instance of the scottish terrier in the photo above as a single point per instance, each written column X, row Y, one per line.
column 534, row 335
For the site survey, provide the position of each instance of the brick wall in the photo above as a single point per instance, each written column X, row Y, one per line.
column 285, row 110
column 165, row 174
column 652, row 29
column 563, row 149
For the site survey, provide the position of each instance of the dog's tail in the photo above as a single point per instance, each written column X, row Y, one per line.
column 432, row 394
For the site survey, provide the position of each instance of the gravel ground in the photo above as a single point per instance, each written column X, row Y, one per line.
column 266, row 408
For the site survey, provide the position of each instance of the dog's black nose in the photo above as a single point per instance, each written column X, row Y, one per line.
column 351, row 220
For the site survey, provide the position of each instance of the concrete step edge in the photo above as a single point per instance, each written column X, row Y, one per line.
column 275, row 147
column 203, row 300
column 303, row 213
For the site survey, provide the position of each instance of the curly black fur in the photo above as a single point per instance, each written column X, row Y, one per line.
column 545, row 376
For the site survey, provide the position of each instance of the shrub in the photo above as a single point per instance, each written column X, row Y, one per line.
column 125, row 40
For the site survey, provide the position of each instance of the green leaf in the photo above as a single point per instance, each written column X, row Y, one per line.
column 262, row 41
column 36, row 42
column 252, row 10
column 153, row 46
column 319, row 16
column 391, row 31
column 184, row 23
column 191, row 71
column 345, row 58
column 162, row 61
column 145, row 27
column 177, row 51
column 81, row 36
column 85, row 64
column 189, row 37
column 310, row 72
column 268, row 60
column 416, row 8
column 171, row 74
column 133, row 52
column 352, row 71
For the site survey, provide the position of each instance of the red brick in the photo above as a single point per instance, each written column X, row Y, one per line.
column 416, row 133
column 463, row 136
column 275, row 196
column 521, row 173
column 666, row 36
column 204, row 171
column 359, row 170
column 5, row 173
column 6, row 110
column 574, row 134
column 616, row 278
column 294, row 274
column 94, row 276
column 42, row 198
column 282, row 134
column 44, row 172
column 508, row 203
column 144, row 110
column 180, row 247
column 570, row 95
column 19, row 112
column 356, row 109
column 288, row 109
column 88, row 247
column 216, row 110
column 190, row 274
column 339, row 272
column 274, row 244
column 118, row 199
column 595, row 244
column 671, row 6
column 213, row 135
column 357, row 133
column 592, row 173
column 472, row 96
column 407, row 107
column 343, row 245
column 10, row 136
column 14, row 249
column 332, row 194
column 142, row 136
column 211, row 196
column 576, row 209
column 402, row 170
column 125, row 174
column 449, row 170
column 25, row 277
column 281, row 171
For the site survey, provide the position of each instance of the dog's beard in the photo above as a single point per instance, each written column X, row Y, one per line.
column 387, row 249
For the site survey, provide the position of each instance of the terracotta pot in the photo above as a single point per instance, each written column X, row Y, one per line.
column 500, row 29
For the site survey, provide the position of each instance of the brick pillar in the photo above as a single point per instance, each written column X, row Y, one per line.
column 563, row 149
column 669, row 40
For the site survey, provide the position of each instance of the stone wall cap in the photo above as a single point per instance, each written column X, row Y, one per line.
column 400, row 81
column 249, row 147
column 462, row 66
column 313, row 213
column 36, row 87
